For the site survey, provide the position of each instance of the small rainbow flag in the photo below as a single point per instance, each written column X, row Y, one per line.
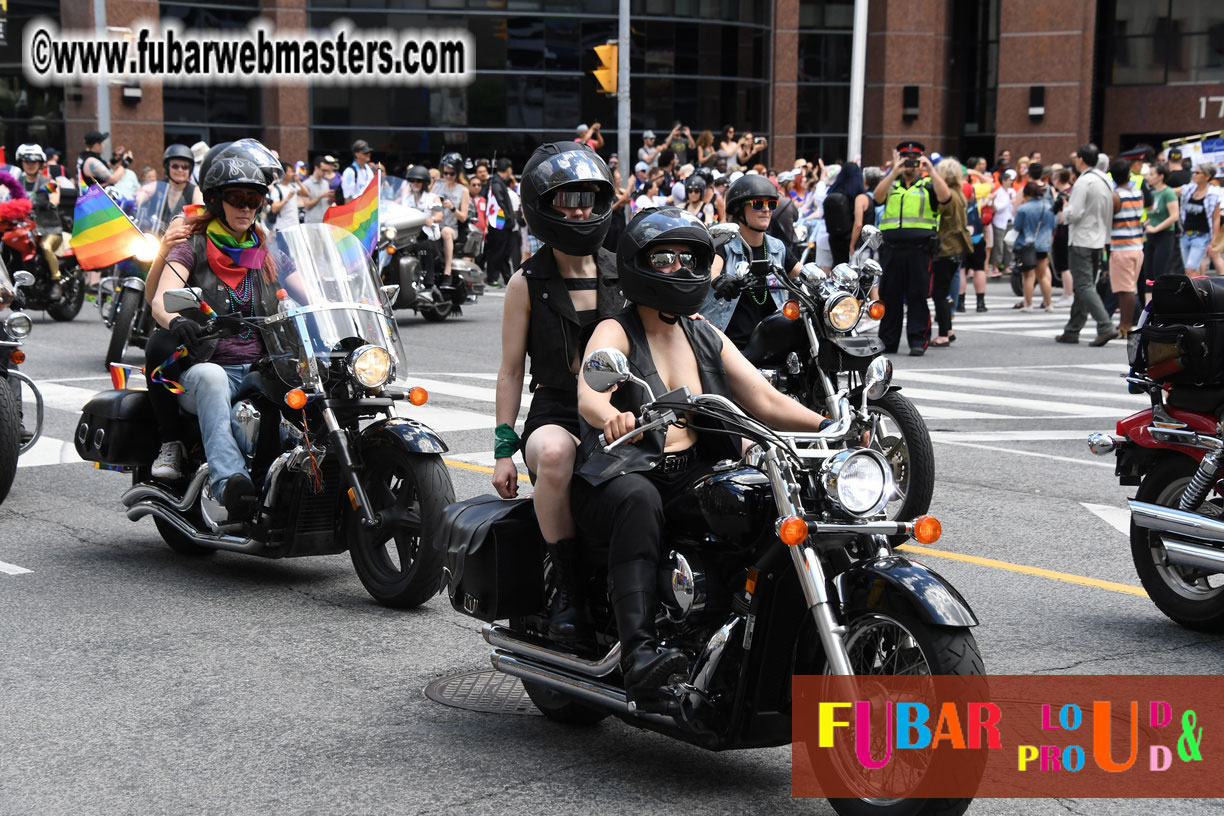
column 192, row 210
column 359, row 216
column 122, row 376
column 102, row 234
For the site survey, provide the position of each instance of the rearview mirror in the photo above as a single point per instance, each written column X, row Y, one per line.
column 604, row 369
column 870, row 236
column 176, row 301
column 878, row 378
column 23, row 278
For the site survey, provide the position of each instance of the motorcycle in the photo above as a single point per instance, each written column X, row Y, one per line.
column 130, row 318
column 338, row 468
column 19, row 246
column 808, row 348
column 1174, row 451
column 408, row 251
column 14, row 328
column 778, row 565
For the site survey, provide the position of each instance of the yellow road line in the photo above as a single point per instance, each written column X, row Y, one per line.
column 1026, row 570
column 478, row 468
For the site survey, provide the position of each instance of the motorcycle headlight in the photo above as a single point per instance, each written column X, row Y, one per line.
column 858, row 482
column 389, row 233
column 371, row 365
column 18, row 325
column 842, row 312
column 146, row 247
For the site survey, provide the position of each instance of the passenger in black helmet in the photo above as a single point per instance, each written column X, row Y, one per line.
column 178, row 162
column 750, row 202
column 663, row 261
column 225, row 258
column 551, row 303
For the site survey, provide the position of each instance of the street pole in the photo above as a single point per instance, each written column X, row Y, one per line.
column 103, row 86
column 858, row 79
column 622, row 94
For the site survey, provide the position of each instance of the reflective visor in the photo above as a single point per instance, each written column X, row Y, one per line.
column 663, row 258
column 574, row 198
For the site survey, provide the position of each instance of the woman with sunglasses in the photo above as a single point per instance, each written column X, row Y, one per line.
column 751, row 201
column 451, row 189
column 178, row 162
column 695, row 200
column 224, row 257
column 551, row 304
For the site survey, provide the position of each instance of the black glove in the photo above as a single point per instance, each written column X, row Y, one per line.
column 727, row 287
column 186, row 331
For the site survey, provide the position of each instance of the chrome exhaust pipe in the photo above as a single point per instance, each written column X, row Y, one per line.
column 1171, row 520
column 499, row 637
column 1190, row 554
column 209, row 540
column 581, row 689
column 146, row 491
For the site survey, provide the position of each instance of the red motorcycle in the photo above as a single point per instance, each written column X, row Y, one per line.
column 19, row 249
column 1174, row 451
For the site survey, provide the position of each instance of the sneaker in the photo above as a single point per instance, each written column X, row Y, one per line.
column 1048, row 307
column 1064, row 301
column 1025, row 309
column 168, row 466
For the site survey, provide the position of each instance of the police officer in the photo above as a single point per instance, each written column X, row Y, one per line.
column 911, row 193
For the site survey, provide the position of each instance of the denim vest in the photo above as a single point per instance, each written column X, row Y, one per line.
column 718, row 311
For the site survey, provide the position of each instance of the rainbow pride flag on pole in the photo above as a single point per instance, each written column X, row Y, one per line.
column 359, row 216
column 101, row 234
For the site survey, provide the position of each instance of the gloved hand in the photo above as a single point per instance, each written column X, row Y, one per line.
column 186, row 331
column 727, row 287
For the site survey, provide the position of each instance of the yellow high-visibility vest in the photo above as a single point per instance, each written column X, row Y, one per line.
column 910, row 207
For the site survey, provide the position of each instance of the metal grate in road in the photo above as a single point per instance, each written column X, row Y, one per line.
column 488, row 691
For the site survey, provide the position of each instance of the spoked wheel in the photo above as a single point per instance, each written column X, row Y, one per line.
column 885, row 644
column 1192, row 597
column 899, row 432
column 398, row 560
column 73, row 287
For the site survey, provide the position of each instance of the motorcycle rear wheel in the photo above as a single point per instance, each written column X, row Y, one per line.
column 1190, row 597
column 69, row 306
column 887, row 644
column 10, row 437
column 398, row 561
column 438, row 312
column 905, row 442
column 126, row 311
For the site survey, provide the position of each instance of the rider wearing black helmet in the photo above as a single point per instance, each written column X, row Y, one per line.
column 663, row 260
column 225, row 258
column 418, row 197
column 751, row 200
column 451, row 189
column 559, row 292
column 178, row 162
column 695, row 199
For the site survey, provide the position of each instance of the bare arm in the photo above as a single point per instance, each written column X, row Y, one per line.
column 880, row 195
column 597, row 408
column 176, row 233
column 942, row 193
column 464, row 203
column 177, row 279
column 516, row 317
column 860, row 207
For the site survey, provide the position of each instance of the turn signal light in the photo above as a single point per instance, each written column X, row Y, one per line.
column 750, row 583
column 16, row 356
column 390, row 249
column 418, row 395
column 790, row 310
column 876, row 310
column 793, row 531
column 927, row 529
column 296, row 399
column 352, row 497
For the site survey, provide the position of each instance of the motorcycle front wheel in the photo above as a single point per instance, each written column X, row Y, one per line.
column 1192, row 597
column 398, row 560
column 886, row 644
column 126, row 312
column 10, row 437
column 72, row 282
column 900, row 434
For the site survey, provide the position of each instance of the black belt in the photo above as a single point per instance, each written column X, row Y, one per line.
column 677, row 462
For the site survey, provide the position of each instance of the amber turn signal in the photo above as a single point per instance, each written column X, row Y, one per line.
column 296, row 399
column 352, row 497
column 750, row 582
column 16, row 356
column 927, row 529
column 792, row 530
column 876, row 310
column 390, row 249
column 418, row 395
column 790, row 310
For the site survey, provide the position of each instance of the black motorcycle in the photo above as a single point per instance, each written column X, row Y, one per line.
column 778, row 564
column 408, row 252
column 14, row 328
column 330, row 478
column 129, row 316
column 811, row 347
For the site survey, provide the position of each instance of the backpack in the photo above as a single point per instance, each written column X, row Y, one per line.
column 973, row 217
column 838, row 214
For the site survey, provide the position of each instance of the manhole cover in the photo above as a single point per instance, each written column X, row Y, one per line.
column 488, row 691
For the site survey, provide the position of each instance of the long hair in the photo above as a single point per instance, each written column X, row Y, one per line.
column 849, row 182
column 198, row 225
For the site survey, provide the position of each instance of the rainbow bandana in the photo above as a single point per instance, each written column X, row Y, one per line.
column 228, row 254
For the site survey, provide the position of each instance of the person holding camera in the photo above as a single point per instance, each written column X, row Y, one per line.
column 681, row 141
column 912, row 195
column 92, row 169
column 749, row 147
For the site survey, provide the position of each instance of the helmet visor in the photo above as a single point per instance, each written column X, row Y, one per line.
column 575, row 198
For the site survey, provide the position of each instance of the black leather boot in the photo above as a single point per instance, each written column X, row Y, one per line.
column 567, row 620
column 646, row 668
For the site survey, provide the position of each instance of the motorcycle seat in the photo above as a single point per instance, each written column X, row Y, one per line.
column 1200, row 399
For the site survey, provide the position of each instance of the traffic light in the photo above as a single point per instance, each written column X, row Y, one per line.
column 605, row 74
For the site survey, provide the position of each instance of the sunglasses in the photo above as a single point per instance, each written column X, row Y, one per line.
column 574, row 198
column 449, row 173
column 179, row 166
column 666, row 257
column 240, row 200
column 759, row 204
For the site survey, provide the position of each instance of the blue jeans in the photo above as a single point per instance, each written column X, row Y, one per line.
column 208, row 391
column 1193, row 247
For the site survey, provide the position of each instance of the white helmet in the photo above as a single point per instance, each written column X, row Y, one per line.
column 30, row 152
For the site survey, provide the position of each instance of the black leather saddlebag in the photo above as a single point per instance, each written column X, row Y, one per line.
column 118, row 428
column 495, row 555
column 1182, row 342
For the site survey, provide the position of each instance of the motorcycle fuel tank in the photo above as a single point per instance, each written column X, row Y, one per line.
column 774, row 338
column 737, row 504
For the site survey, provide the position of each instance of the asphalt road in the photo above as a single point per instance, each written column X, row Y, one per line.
column 133, row 680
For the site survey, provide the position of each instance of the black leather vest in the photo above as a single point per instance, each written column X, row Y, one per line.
column 598, row 467
column 216, row 293
column 554, row 336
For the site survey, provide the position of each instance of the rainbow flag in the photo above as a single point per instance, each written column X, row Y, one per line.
column 359, row 216
column 102, row 235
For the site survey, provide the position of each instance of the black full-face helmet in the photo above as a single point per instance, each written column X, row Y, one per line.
column 177, row 151
column 744, row 190
column 567, row 167
column 418, row 172
column 673, row 293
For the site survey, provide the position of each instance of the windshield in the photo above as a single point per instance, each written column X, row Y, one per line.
column 152, row 213
column 330, row 304
column 393, row 207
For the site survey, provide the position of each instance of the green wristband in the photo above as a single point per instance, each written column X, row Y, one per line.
column 507, row 441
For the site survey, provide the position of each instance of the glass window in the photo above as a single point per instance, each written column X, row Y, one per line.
column 824, row 57
column 525, row 44
column 1199, row 59
column 822, row 108
column 1134, row 17
column 562, row 50
column 826, row 14
column 1138, row 61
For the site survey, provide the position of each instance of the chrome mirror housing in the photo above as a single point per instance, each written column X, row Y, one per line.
column 23, row 278
column 604, row 369
column 870, row 236
column 878, row 378
column 176, row 301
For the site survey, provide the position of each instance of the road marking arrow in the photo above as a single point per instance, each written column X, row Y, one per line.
column 1116, row 517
